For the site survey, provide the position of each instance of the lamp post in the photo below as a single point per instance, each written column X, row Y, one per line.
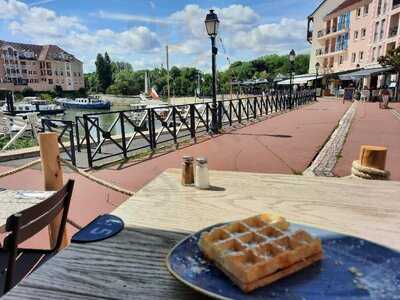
column 317, row 65
column 292, row 57
column 212, row 24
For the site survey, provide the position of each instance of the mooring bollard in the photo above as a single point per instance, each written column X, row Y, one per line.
column 53, row 178
column 371, row 163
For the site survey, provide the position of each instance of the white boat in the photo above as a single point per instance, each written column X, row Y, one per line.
column 84, row 103
column 32, row 105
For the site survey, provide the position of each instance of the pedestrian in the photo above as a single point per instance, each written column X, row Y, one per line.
column 348, row 93
column 385, row 97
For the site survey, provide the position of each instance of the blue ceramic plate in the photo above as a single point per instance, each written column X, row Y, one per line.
column 352, row 268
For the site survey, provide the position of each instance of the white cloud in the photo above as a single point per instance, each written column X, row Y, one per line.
column 129, row 17
column 245, row 34
column 45, row 26
column 41, row 2
column 11, row 9
column 271, row 37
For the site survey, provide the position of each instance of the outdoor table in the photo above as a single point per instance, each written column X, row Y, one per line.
column 12, row 202
column 131, row 265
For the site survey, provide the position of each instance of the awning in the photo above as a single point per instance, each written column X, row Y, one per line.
column 300, row 80
column 364, row 73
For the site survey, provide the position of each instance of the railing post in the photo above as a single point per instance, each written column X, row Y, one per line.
column 220, row 115
column 87, row 138
column 207, row 117
column 255, row 108
column 230, row 113
column 192, row 121
column 78, row 145
column 122, row 125
column 240, row 111
column 97, row 122
column 174, row 124
column 151, row 128
column 72, row 143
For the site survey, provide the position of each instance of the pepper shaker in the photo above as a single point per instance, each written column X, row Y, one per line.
column 202, row 180
column 187, row 170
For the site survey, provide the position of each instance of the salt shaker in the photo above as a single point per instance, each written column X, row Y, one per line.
column 202, row 180
column 187, row 170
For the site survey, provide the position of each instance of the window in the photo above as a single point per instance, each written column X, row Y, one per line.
column 331, row 61
column 361, row 56
column 48, row 65
column 353, row 57
column 376, row 31
column 355, row 35
column 363, row 32
column 358, row 13
column 384, row 6
column 340, row 59
column 379, row 7
column 366, row 9
column 49, row 73
column 379, row 51
column 382, row 33
column 50, row 81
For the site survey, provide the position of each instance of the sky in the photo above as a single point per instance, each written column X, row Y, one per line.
column 137, row 31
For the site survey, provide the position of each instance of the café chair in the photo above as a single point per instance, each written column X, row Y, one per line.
column 16, row 263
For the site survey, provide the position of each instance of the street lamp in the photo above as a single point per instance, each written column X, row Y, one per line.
column 317, row 66
column 292, row 58
column 212, row 24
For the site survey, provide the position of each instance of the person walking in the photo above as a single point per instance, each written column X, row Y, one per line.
column 385, row 96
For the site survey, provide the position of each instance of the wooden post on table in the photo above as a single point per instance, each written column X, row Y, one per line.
column 373, row 157
column 53, row 178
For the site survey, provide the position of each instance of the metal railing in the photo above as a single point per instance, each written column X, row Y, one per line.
column 65, row 132
column 138, row 129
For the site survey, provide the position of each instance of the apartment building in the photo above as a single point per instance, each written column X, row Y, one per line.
column 39, row 67
column 352, row 34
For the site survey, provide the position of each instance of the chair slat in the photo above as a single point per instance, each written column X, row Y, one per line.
column 42, row 207
column 24, row 225
column 32, row 228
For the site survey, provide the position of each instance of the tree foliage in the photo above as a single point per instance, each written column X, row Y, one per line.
column 118, row 77
column 392, row 58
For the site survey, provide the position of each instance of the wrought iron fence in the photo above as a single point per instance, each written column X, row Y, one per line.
column 137, row 129
column 65, row 132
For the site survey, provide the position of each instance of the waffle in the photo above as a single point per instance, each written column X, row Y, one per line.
column 259, row 250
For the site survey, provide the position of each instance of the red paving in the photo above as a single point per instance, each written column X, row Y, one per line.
column 284, row 144
column 372, row 126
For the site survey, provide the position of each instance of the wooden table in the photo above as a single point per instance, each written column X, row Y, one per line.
column 131, row 264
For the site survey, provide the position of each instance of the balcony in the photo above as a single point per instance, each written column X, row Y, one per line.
column 332, row 32
column 328, row 52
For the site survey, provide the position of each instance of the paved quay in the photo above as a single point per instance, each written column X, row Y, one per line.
column 284, row 144
column 372, row 126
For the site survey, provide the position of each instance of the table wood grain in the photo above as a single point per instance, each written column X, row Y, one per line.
column 368, row 209
column 131, row 264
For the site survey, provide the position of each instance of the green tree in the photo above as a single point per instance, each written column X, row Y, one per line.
column 103, row 72
column 28, row 92
column 58, row 90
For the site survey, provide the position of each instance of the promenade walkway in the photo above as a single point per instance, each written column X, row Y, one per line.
column 283, row 144
column 372, row 126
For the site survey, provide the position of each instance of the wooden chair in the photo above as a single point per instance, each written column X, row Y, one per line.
column 16, row 263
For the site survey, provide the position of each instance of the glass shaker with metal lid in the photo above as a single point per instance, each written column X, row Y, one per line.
column 187, row 170
column 202, row 180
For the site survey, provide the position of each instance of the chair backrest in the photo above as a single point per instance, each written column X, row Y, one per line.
column 30, row 221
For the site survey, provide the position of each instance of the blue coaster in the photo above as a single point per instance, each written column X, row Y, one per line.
column 101, row 228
